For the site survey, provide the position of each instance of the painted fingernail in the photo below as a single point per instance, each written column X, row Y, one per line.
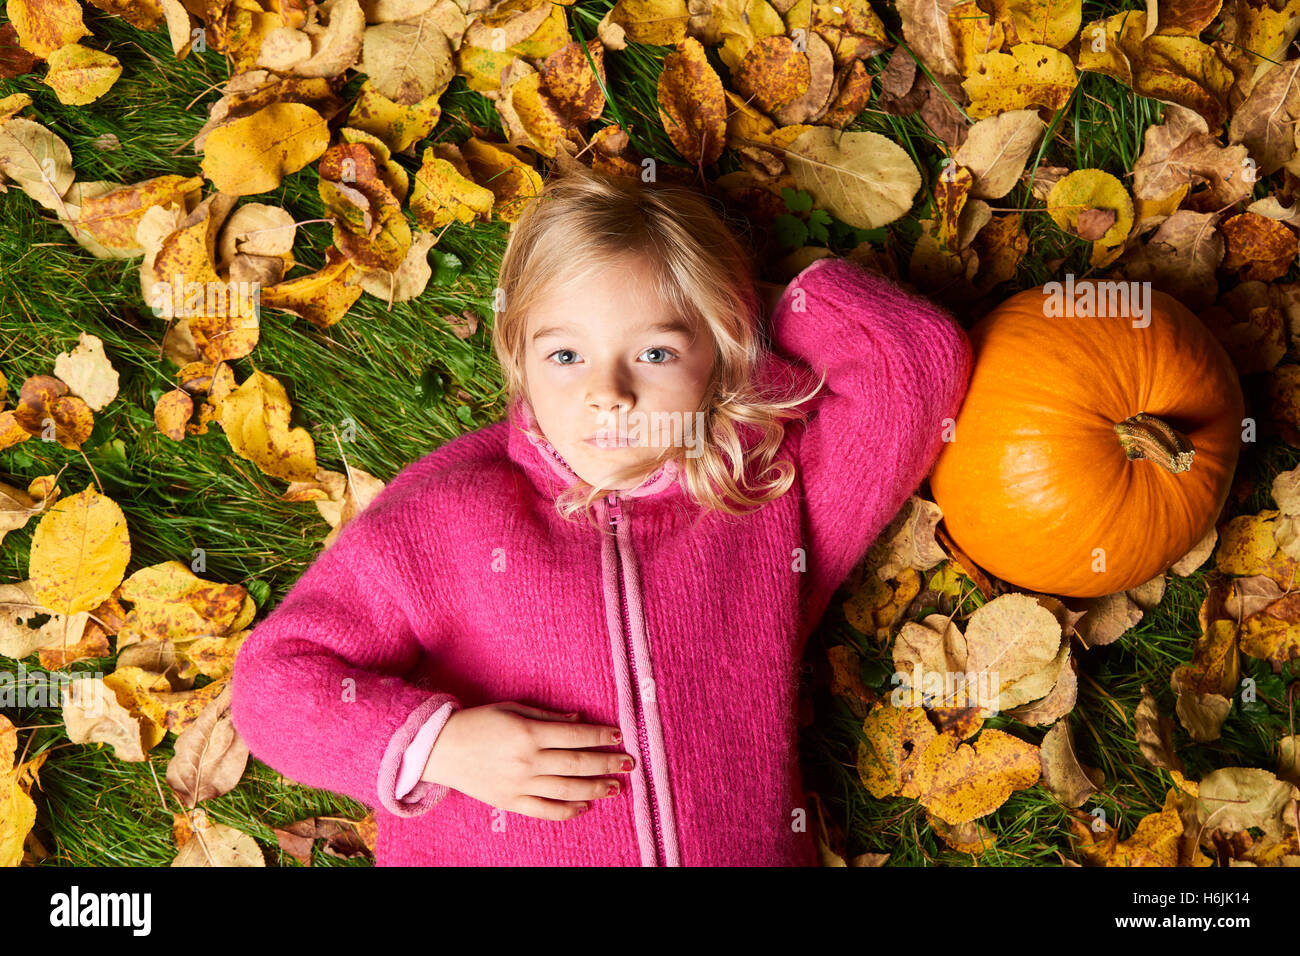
column 613, row 789
column 618, row 736
column 627, row 763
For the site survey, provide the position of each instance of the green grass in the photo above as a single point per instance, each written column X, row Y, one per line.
column 95, row 810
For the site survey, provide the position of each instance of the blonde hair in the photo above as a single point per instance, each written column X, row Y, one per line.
column 584, row 221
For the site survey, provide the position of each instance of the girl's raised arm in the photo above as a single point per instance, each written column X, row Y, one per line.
column 896, row 367
column 321, row 687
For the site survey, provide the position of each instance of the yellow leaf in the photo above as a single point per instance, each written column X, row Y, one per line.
column 45, row 25
column 692, row 107
column 1031, row 75
column 80, row 75
column 1085, row 190
column 958, row 782
column 252, row 153
column 444, row 192
column 80, row 550
column 255, row 417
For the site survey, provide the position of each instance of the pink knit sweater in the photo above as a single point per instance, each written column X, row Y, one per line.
column 460, row 586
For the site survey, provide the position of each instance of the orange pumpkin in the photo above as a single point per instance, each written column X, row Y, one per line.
column 1091, row 452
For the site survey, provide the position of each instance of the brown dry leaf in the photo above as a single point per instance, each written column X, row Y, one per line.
column 244, row 94
column 1181, row 258
column 87, row 372
column 1265, row 122
column 17, row 811
column 996, row 150
column 210, row 755
column 926, row 30
column 20, row 637
column 409, row 279
column 773, row 74
column 36, row 160
column 1069, row 781
column 407, row 60
column 1180, row 153
column 902, row 90
column 1262, row 248
column 17, row 507
column 1206, row 686
column 106, row 217
column 908, row 540
column 149, row 694
column 92, row 714
column 1249, row 323
column 339, row 498
column 256, row 229
column 506, row 171
column 80, row 75
column 1175, row 69
column 846, row 679
column 1273, row 633
column 1155, row 734
column 215, row 844
column 399, row 125
column 864, row 179
column 46, row 410
column 1233, row 799
column 660, row 22
column 172, row 412
column 14, row 60
column 1019, row 644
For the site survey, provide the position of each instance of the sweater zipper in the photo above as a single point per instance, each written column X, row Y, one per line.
column 615, row 519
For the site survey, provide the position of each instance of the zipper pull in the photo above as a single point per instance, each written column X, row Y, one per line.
column 615, row 509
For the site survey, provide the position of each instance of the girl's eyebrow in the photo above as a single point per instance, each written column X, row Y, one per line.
column 669, row 325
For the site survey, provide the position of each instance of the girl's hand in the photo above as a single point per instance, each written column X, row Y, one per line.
column 526, row 760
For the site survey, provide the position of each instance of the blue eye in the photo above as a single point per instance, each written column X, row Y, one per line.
column 667, row 352
column 558, row 352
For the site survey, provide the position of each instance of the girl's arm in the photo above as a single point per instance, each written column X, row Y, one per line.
column 320, row 688
column 897, row 367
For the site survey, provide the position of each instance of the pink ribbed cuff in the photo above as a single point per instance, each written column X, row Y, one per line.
column 416, row 755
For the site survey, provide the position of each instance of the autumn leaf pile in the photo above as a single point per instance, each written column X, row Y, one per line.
column 772, row 87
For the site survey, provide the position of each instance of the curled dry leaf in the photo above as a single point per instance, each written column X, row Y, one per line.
column 210, row 755
column 1069, row 781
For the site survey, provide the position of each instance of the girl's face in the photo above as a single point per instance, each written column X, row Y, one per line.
column 603, row 355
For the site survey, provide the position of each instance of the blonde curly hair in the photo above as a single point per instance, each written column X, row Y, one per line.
column 702, row 272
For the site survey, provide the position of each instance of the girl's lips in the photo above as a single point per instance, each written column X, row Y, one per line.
column 612, row 441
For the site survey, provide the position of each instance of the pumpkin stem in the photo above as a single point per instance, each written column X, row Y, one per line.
column 1145, row 436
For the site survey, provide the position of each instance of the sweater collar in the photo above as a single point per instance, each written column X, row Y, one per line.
column 552, row 474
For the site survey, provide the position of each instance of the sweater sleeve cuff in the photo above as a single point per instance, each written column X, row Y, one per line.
column 421, row 727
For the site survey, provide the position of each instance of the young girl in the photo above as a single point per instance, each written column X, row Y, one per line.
column 509, row 684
